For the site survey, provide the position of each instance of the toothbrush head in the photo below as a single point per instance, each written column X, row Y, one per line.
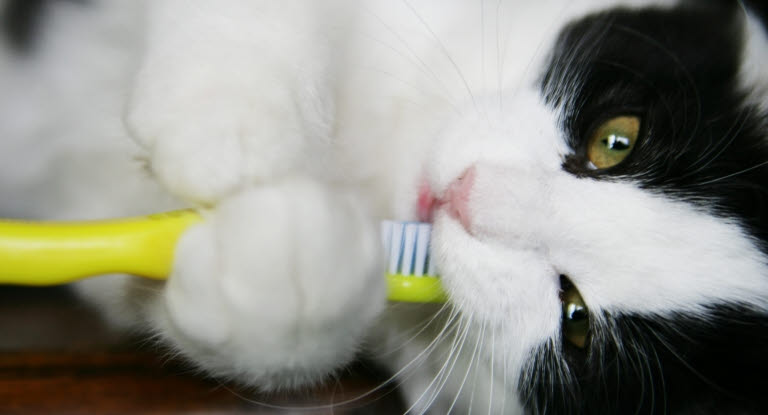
column 411, row 273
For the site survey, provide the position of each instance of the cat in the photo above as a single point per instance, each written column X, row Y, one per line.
column 596, row 173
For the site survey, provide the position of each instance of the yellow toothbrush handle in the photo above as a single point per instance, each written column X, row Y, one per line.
column 48, row 253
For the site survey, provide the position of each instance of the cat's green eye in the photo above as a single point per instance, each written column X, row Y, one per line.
column 612, row 141
column 575, row 316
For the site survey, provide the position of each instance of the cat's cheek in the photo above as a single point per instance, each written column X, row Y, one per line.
column 512, row 287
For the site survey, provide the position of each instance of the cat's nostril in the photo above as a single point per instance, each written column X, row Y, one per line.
column 457, row 197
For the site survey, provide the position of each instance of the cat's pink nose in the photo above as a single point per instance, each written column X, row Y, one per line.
column 457, row 196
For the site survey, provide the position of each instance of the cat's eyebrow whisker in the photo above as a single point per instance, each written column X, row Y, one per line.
column 501, row 58
column 416, row 88
column 569, row 79
column 636, row 359
column 657, row 361
column 498, row 56
column 414, row 58
column 729, row 176
column 685, row 363
column 738, row 124
column 554, row 365
column 444, row 50
column 687, row 77
column 482, row 44
column 708, row 157
column 645, row 361
column 555, row 371
column 564, row 375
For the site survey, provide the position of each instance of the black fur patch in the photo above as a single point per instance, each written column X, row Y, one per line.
column 678, row 70
column 701, row 143
column 652, row 364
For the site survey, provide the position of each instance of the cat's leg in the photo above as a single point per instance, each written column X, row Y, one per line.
column 232, row 92
column 277, row 287
column 232, row 100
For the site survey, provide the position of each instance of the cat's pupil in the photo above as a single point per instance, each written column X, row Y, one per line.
column 575, row 312
column 616, row 142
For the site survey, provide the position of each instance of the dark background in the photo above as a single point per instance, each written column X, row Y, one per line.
column 56, row 356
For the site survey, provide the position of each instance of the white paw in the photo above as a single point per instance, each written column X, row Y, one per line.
column 206, row 152
column 230, row 93
column 277, row 287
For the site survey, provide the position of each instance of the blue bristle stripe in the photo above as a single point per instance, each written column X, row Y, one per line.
column 408, row 253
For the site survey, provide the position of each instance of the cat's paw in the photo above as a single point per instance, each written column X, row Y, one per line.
column 231, row 112
column 277, row 287
column 207, row 152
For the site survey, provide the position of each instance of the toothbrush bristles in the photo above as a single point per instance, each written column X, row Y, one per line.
column 406, row 246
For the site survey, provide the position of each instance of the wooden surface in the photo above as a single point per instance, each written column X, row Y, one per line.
column 57, row 357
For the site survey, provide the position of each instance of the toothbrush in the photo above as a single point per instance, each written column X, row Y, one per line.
column 51, row 253
column 411, row 275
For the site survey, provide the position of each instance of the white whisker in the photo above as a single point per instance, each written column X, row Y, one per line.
column 482, row 43
column 493, row 357
column 757, row 166
column 498, row 57
column 447, row 329
column 444, row 375
column 421, row 328
column 477, row 367
column 466, row 374
column 445, row 52
column 504, row 373
column 708, row 157
column 415, row 58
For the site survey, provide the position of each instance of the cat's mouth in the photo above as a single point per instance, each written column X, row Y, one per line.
column 454, row 199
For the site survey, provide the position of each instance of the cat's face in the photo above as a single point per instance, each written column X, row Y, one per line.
column 606, row 220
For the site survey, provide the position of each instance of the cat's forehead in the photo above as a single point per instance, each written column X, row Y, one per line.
column 534, row 29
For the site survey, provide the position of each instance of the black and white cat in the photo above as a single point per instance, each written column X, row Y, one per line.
column 596, row 172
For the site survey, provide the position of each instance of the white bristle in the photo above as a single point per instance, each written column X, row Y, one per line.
column 406, row 246
column 395, row 247
column 409, row 245
column 422, row 249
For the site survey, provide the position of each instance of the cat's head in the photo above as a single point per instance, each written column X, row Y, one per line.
column 607, row 218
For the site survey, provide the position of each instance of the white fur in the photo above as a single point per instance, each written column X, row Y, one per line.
column 753, row 76
column 240, row 306
column 254, row 76
column 298, row 123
